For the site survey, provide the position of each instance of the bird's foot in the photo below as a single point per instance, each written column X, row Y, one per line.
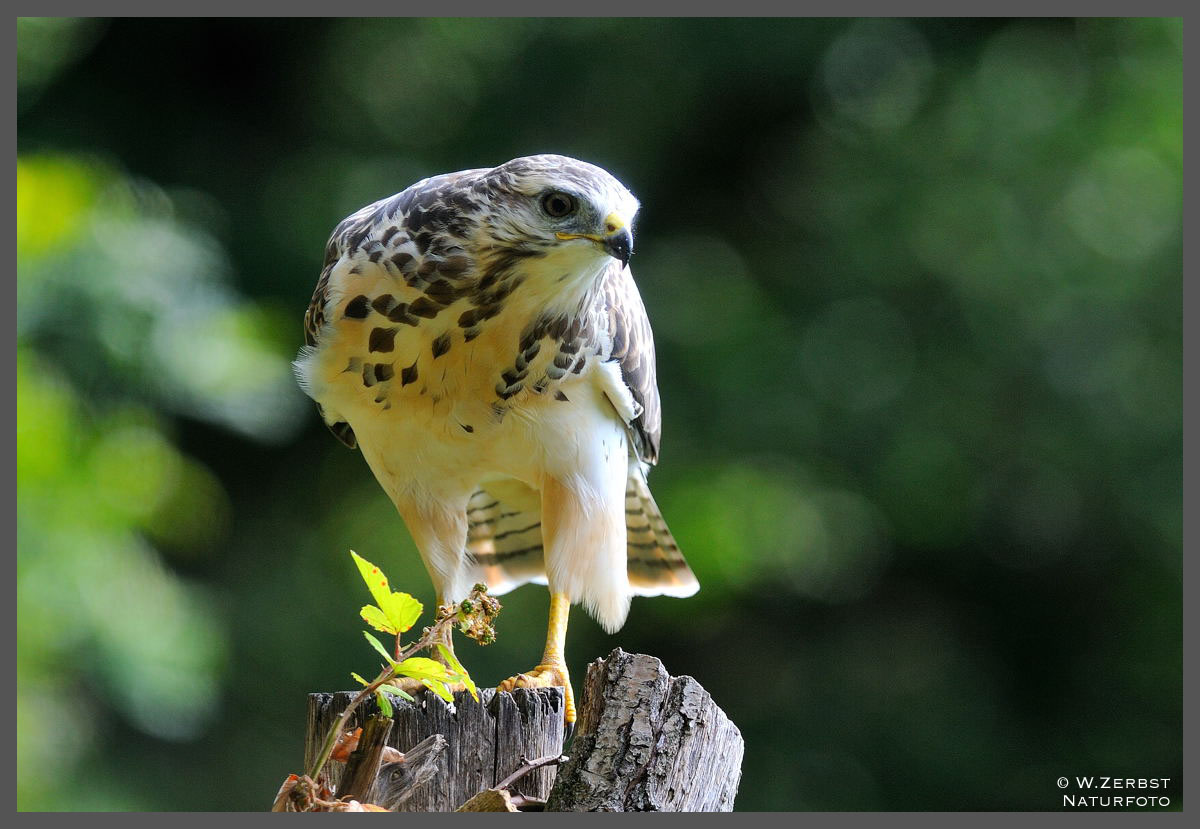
column 545, row 676
column 410, row 686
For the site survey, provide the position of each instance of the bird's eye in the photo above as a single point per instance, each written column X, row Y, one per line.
column 558, row 205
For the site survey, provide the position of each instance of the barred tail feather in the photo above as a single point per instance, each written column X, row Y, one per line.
column 656, row 567
column 504, row 537
column 504, row 541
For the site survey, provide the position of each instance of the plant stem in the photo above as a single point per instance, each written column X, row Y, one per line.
column 432, row 634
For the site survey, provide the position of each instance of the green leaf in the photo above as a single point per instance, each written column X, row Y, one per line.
column 433, row 675
column 402, row 610
column 396, row 611
column 359, row 679
column 375, row 643
column 376, row 581
column 460, row 672
column 439, row 688
column 418, row 667
column 385, row 704
column 377, row 619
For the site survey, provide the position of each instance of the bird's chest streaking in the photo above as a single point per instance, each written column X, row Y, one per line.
column 470, row 371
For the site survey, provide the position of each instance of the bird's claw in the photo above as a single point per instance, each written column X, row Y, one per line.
column 545, row 676
column 410, row 686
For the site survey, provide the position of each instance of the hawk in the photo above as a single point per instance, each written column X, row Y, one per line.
column 480, row 339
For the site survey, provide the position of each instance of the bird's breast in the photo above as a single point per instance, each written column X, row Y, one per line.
column 451, row 390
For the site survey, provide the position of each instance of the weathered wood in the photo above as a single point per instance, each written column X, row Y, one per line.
column 363, row 766
column 647, row 741
column 398, row 780
column 485, row 740
column 515, row 741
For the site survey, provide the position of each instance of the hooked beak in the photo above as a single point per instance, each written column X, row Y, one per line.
column 617, row 241
column 619, row 245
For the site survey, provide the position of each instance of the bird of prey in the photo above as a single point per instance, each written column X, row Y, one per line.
column 479, row 337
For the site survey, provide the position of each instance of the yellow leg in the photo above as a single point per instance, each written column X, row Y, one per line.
column 556, row 632
column 553, row 669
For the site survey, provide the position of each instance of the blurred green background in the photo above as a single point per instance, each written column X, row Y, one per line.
column 916, row 291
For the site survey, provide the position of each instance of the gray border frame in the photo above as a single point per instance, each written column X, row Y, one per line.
column 702, row 8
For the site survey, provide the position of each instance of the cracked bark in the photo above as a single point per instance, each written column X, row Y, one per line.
column 647, row 741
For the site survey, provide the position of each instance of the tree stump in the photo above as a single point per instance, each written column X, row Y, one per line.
column 645, row 741
column 485, row 740
column 648, row 742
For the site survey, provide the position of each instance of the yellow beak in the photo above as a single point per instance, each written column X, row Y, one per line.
column 617, row 241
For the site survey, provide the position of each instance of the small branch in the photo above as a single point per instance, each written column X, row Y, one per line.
column 528, row 766
column 499, row 799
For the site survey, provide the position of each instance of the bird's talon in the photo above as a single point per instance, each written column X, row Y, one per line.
column 410, row 686
column 407, row 684
column 545, row 676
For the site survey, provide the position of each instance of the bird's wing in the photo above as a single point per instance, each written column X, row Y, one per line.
column 430, row 212
column 654, row 563
column 315, row 316
column 633, row 351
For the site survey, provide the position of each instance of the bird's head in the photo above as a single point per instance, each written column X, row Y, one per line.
column 566, row 210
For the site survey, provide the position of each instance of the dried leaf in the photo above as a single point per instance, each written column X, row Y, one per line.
column 346, row 745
